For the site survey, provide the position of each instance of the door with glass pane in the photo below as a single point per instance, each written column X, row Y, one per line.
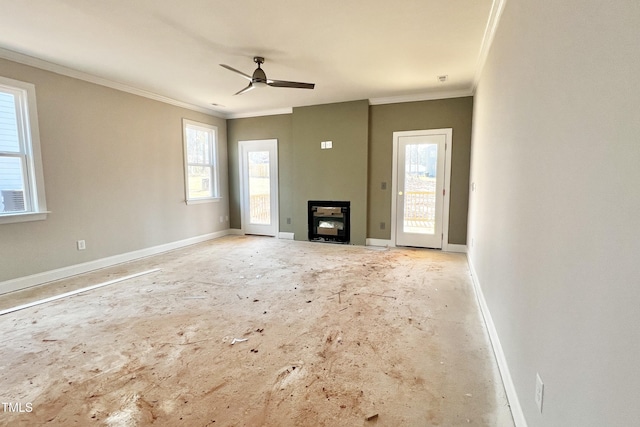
column 259, row 182
column 419, row 189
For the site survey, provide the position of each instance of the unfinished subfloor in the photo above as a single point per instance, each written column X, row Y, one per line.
column 334, row 334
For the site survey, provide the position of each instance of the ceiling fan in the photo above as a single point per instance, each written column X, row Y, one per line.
column 259, row 79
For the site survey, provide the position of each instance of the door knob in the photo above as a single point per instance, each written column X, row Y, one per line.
column 399, row 193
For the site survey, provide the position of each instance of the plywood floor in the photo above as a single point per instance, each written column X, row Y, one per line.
column 334, row 334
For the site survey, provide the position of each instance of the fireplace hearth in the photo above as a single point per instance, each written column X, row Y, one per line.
column 329, row 221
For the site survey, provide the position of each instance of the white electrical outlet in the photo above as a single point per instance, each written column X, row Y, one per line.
column 81, row 245
column 539, row 392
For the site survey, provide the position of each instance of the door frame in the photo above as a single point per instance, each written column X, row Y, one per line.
column 448, row 132
column 275, row 198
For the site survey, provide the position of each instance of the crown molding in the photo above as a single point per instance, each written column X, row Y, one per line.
column 275, row 112
column 497, row 7
column 69, row 72
column 420, row 97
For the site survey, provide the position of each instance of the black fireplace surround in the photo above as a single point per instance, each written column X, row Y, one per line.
column 329, row 221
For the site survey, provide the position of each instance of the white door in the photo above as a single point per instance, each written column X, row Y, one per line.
column 420, row 158
column 259, row 186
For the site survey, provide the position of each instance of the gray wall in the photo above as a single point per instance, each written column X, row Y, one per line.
column 114, row 176
column 303, row 164
column 553, row 223
column 452, row 113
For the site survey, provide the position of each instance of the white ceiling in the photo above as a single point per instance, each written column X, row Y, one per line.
column 358, row 49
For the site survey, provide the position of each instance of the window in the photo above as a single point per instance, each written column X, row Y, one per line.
column 200, row 162
column 21, row 182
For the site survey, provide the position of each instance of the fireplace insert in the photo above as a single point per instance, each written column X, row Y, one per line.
column 329, row 221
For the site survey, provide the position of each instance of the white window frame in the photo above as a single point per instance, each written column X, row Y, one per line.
column 29, row 142
column 215, row 185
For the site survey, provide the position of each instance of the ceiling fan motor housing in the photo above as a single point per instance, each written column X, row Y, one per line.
column 259, row 76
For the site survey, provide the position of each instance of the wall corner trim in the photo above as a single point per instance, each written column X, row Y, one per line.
column 81, row 75
column 73, row 270
column 274, row 112
column 495, row 13
column 507, row 380
column 431, row 96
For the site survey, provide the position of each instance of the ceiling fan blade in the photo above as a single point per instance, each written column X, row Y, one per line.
column 296, row 85
column 246, row 89
column 236, row 71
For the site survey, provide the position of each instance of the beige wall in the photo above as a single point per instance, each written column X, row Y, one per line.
column 266, row 127
column 114, row 176
column 553, row 222
column 453, row 113
column 336, row 174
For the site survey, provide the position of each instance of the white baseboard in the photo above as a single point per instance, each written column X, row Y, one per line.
column 449, row 247
column 507, row 380
column 285, row 235
column 388, row 243
column 73, row 270
column 378, row 242
column 235, row 232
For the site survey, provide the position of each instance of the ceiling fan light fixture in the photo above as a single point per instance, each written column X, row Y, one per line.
column 259, row 79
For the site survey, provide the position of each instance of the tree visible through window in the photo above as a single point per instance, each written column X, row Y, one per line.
column 21, row 186
column 201, row 169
